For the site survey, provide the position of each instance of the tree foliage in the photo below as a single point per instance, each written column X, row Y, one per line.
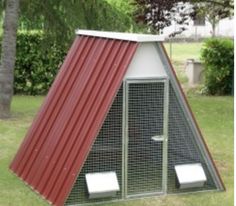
column 158, row 14
column 218, row 58
column 214, row 11
column 57, row 19
column 36, row 66
column 60, row 18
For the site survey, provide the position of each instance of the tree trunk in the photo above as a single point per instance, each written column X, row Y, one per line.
column 213, row 27
column 8, row 56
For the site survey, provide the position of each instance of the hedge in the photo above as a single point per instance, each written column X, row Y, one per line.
column 218, row 59
column 36, row 63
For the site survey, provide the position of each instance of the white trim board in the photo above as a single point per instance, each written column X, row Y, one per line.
column 122, row 36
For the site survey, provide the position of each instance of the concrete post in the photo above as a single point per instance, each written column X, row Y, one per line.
column 194, row 72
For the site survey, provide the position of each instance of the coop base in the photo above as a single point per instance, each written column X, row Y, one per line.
column 142, row 197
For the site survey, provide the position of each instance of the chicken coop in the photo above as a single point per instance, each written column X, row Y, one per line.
column 115, row 126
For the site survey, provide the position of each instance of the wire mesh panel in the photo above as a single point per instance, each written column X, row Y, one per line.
column 105, row 155
column 145, row 121
column 144, row 154
column 182, row 146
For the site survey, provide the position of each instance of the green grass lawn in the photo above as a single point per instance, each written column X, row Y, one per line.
column 12, row 191
column 214, row 114
column 180, row 53
column 215, row 117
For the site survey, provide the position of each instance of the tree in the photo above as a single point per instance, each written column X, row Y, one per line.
column 214, row 11
column 227, row 4
column 58, row 19
column 8, row 56
column 158, row 14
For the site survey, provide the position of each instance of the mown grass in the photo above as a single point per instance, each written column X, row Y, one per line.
column 180, row 53
column 214, row 115
column 184, row 50
column 13, row 191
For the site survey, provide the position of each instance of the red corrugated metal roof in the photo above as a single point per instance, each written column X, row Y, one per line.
column 59, row 140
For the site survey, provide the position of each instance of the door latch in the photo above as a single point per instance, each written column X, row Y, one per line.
column 158, row 138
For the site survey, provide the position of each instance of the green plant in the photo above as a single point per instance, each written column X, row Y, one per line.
column 218, row 59
column 36, row 65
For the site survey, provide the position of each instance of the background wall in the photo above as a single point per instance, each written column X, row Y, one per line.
column 224, row 28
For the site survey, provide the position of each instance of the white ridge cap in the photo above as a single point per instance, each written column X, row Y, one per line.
column 122, row 36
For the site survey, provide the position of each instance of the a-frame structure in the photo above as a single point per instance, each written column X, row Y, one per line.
column 115, row 113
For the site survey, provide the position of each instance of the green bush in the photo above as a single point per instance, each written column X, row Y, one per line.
column 218, row 59
column 36, row 63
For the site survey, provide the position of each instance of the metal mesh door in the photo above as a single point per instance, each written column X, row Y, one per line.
column 145, row 120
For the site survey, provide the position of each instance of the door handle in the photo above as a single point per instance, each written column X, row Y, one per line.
column 158, row 138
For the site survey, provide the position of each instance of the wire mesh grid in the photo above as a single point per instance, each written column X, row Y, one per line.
column 182, row 146
column 144, row 156
column 145, row 120
column 105, row 155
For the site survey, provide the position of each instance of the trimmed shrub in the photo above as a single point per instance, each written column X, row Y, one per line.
column 218, row 59
column 36, row 63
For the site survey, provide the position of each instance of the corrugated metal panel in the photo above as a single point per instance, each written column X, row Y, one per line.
column 61, row 136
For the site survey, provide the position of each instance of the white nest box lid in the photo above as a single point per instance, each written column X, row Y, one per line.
column 190, row 175
column 102, row 184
